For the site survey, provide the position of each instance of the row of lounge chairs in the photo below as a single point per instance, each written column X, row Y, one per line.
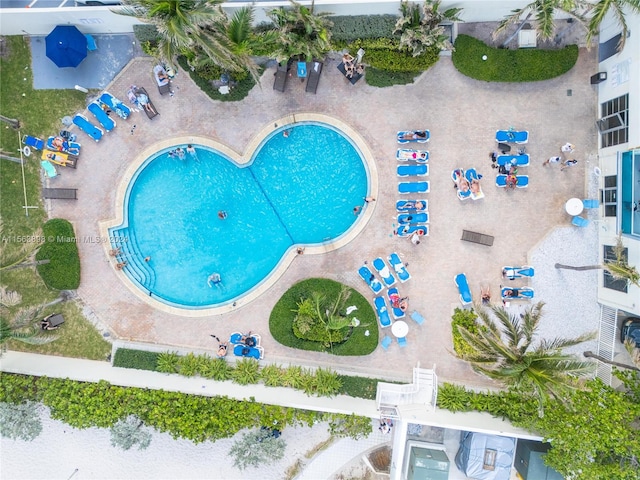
column 413, row 215
column 506, row 293
column 388, row 279
column 242, row 348
column 508, row 164
column 313, row 76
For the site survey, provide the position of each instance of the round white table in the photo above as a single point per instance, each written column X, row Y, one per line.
column 399, row 329
column 574, row 206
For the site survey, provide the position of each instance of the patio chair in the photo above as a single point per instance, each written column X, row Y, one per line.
column 384, row 272
column 519, row 160
column 402, row 342
column 579, row 221
column 370, row 279
column 60, row 193
column 463, row 288
column 49, row 169
column 105, row 120
column 398, row 266
column 383, row 313
column 512, row 136
column 302, row 70
column 419, row 319
column 52, row 322
column 281, row 78
column 392, row 294
column 87, row 127
column 420, row 170
column 314, row 78
column 59, row 158
column 409, row 218
column 517, row 272
column 91, row 43
column 590, row 203
column 386, row 342
column 413, row 187
column 114, row 104
column 162, row 79
column 33, row 142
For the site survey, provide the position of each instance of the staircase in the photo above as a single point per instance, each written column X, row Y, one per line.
column 136, row 268
column 422, row 392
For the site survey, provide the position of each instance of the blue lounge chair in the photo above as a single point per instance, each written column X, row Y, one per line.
column 512, row 136
column 398, row 266
column 419, row 319
column 419, row 136
column 91, row 43
column 406, row 218
column 463, row 288
column 471, row 174
column 590, row 203
column 116, row 105
column 370, row 279
column 102, row 117
column 49, row 169
column 519, row 160
column 248, row 352
column 236, row 339
column 522, row 181
column 406, row 230
column 383, row 313
column 408, row 154
column 72, row 148
column 413, row 170
column 522, row 293
column 413, row 187
column 302, row 69
column 87, row 127
column 397, row 312
column 410, row 206
column 579, row 221
column 402, row 342
column 517, row 272
column 33, row 142
column 386, row 342
column 384, row 272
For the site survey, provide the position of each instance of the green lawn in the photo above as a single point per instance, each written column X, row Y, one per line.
column 39, row 112
column 282, row 316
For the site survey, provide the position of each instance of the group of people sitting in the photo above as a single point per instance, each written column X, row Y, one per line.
column 463, row 185
column 351, row 67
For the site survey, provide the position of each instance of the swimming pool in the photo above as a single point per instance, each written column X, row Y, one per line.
column 296, row 190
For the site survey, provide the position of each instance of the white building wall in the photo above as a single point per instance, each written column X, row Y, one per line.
column 629, row 61
column 95, row 20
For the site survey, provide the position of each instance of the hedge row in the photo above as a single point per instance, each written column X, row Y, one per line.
column 197, row 418
column 350, row 28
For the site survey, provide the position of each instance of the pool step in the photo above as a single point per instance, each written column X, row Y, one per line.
column 138, row 270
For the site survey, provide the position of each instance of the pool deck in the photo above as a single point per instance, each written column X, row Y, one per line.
column 462, row 115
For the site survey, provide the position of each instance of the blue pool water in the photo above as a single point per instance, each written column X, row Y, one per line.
column 297, row 190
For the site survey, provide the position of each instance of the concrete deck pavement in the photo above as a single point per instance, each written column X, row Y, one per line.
column 462, row 114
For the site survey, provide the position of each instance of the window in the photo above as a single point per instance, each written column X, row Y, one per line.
column 609, row 280
column 610, row 195
column 612, row 125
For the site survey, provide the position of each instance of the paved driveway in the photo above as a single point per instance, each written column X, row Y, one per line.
column 462, row 114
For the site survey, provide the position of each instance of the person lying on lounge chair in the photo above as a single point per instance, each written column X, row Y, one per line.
column 512, row 180
column 485, row 295
column 419, row 205
column 415, row 135
column 475, row 187
column 511, row 292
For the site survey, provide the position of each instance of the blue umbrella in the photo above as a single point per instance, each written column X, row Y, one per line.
column 66, row 46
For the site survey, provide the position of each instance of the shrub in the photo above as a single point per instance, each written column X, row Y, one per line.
column 128, row 432
column 273, row 375
column 257, row 448
column 139, row 359
column 502, row 65
column 360, row 387
column 350, row 28
column 383, row 54
column 247, row 371
column 284, row 312
column 146, row 33
column 466, row 319
column 189, row 365
column 20, row 420
column 244, row 84
column 327, row 382
column 60, row 248
column 351, row 426
column 382, row 78
column 167, row 362
column 217, row 369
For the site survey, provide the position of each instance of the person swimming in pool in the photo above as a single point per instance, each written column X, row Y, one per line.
column 214, row 279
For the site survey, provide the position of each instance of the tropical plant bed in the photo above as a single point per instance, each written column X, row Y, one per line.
column 362, row 339
column 502, row 65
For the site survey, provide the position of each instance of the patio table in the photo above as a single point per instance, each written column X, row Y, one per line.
column 400, row 328
column 574, row 206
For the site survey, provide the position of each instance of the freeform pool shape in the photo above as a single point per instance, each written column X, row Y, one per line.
column 297, row 190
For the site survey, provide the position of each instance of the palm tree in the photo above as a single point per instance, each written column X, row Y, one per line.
column 616, row 7
column 23, row 327
column 422, row 30
column 185, row 25
column 301, row 32
column 618, row 268
column 544, row 12
column 506, row 353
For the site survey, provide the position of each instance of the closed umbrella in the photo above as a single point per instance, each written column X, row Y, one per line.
column 66, row 46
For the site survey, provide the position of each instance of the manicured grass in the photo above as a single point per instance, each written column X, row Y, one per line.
column 383, row 78
column 39, row 112
column 282, row 316
column 138, row 359
column 502, row 65
column 60, row 248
